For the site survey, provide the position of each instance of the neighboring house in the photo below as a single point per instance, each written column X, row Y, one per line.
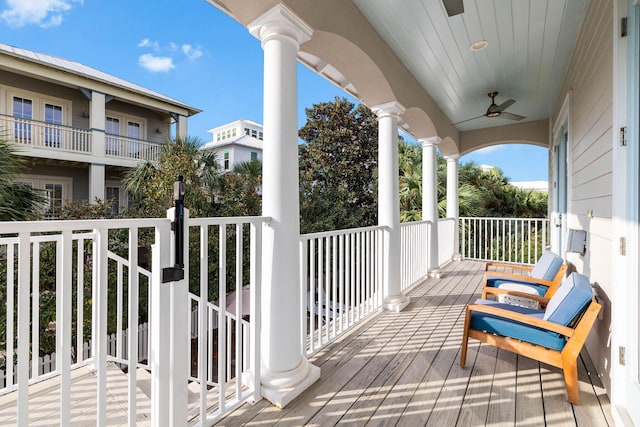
column 81, row 128
column 236, row 142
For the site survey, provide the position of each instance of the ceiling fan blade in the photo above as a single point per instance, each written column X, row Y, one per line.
column 453, row 7
column 506, row 104
column 511, row 116
column 473, row 118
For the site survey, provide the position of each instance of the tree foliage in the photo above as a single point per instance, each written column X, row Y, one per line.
column 151, row 185
column 18, row 202
column 338, row 167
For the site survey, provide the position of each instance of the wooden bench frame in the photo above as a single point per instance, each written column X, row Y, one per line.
column 552, row 284
column 565, row 359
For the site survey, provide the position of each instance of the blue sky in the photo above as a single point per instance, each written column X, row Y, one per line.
column 192, row 52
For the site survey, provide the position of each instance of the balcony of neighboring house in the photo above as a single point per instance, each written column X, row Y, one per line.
column 197, row 346
column 50, row 140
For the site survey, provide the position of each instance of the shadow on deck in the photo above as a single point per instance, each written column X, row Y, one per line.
column 403, row 369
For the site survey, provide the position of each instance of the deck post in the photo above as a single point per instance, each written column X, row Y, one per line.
column 169, row 334
column 389, row 203
column 430, row 201
column 98, row 146
column 285, row 371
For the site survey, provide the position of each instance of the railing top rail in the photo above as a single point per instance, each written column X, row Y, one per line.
column 341, row 232
column 229, row 220
column 505, row 218
column 12, row 227
column 408, row 224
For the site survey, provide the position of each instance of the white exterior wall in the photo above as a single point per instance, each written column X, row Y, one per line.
column 589, row 82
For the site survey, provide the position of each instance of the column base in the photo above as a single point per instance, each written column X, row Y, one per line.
column 280, row 388
column 456, row 257
column 436, row 273
column 396, row 302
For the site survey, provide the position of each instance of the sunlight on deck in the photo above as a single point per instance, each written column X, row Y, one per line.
column 403, row 369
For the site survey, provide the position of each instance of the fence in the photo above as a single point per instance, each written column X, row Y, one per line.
column 341, row 282
column 47, row 364
column 47, row 135
column 514, row 240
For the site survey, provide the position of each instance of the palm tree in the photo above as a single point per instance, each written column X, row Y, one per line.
column 151, row 184
column 18, row 201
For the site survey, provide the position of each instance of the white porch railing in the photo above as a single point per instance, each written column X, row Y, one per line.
column 132, row 148
column 341, row 282
column 414, row 252
column 31, row 252
column 45, row 135
column 341, row 279
column 515, row 240
column 34, row 133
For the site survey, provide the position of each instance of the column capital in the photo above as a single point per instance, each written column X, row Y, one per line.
column 431, row 141
column 452, row 157
column 280, row 21
column 392, row 108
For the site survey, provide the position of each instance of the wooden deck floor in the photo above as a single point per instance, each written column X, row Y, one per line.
column 403, row 369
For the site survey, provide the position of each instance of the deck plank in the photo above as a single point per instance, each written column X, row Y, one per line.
column 403, row 369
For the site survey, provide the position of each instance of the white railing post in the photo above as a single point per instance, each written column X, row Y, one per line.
column 24, row 267
column 160, row 320
column 132, row 323
column 99, row 299
column 180, row 314
column 254, row 307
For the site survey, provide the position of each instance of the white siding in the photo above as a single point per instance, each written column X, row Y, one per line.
column 590, row 81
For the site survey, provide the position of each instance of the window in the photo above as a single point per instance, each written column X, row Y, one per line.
column 56, row 192
column 54, row 199
column 254, row 156
column 37, row 118
column 123, row 135
column 247, row 131
column 260, row 136
column 112, row 130
column 22, row 109
column 226, row 160
column 233, row 132
column 254, row 133
column 113, row 194
column 52, row 134
column 133, row 131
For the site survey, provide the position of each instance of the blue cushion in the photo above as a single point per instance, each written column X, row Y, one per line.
column 495, row 282
column 547, row 266
column 573, row 295
column 517, row 330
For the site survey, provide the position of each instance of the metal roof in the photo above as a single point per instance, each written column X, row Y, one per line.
column 88, row 72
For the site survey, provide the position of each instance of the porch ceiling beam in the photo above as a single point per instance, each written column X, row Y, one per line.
column 536, row 133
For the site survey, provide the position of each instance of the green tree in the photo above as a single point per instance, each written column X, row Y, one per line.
column 241, row 190
column 151, row 184
column 338, row 167
column 18, row 202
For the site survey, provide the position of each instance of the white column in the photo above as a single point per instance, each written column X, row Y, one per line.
column 389, row 203
column 430, row 200
column 181, row 127
column 285, row 371
column 452, row 201
column 97, row 118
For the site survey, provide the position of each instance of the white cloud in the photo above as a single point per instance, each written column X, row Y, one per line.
column 148, row 43
column 156, row 64
column 191, row 52
column 45, row 13
column 162, row 63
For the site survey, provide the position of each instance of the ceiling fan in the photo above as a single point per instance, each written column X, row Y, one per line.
column 453, row 7
column 497, row 110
